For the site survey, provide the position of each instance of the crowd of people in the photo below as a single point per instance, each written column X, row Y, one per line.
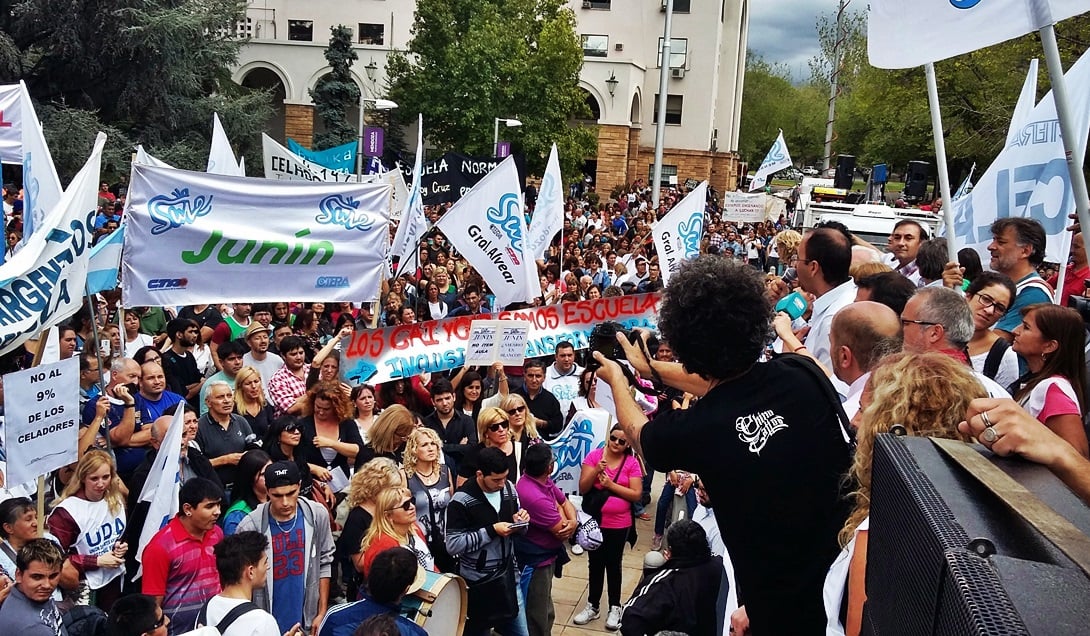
column 312, row 505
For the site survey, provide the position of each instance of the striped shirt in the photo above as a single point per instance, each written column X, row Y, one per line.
column 182, row 569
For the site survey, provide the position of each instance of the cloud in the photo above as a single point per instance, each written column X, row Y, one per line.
column 785, row 32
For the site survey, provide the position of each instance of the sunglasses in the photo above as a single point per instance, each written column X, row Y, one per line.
column 517, row 410
column 618, row 440
column 499, row 425
column 291, row 428
column 406, row 505
column 161, row 622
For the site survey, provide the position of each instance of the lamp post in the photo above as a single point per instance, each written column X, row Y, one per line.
column 510, row 123
column 611, row 84
column 380, row 104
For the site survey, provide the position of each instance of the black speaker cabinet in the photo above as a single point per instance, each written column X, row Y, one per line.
column 845, row 172
column 923, row 577
column 916, row 180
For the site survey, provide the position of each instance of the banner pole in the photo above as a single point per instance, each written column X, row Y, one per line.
column 1067, row 131
column 940, row 161
column 41, row 506
column 98, row 354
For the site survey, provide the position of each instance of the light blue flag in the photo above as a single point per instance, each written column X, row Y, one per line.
column 105, row 262
column 341, row 158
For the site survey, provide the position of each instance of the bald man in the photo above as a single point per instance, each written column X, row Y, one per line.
column 861, row 334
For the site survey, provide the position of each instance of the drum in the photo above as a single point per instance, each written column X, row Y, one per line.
column 439, row 606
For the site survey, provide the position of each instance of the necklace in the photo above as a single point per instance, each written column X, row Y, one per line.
column 294, row 521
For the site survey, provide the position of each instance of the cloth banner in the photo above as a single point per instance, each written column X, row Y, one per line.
column 11, row 123
column 43, row 283
column 195, row 238
column 777, row 159
column 585, row 432
column 677, row 235
column 284, row 165
column 162, row 486
column 41, row 186
column 338, row 158
column 906, row 35
column 105, row 263
column 488, row 228
column 1029, row 178
column 221, row 159
column 744, row 208
column 549, row 212
column 143, row 158
column 391, row 353
column 406, row 245
column 452, row 176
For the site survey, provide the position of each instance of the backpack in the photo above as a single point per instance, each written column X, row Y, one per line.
column 84, row 620
column 236, row 612
column 995, row 356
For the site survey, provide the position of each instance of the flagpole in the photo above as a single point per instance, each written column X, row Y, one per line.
column 98, row 355
column 940, row 160
column 1067, row 126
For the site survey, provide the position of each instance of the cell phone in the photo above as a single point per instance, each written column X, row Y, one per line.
column 519, row 524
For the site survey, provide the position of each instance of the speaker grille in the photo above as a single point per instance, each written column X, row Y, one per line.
column 973, row 600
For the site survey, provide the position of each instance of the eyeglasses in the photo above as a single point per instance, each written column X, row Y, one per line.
column 161, row 622
column 499, row 425
column 987, row 301
column 620, row 441
column 906, row 322
column 517, row 409
column 291, row 428
column 406, row 505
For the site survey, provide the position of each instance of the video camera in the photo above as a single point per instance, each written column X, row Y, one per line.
column 603, row 339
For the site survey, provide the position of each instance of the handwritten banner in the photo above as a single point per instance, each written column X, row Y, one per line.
column 381, row 355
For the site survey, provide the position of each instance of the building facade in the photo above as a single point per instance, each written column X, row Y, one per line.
column 622, row 41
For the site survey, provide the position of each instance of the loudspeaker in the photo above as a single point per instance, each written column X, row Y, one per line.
column 931, row 521
column 916, row 180
column 845, row 172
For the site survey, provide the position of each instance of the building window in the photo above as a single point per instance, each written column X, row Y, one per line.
column 301, row 30
column 595, row 45
column 673, row 109
column 372, row 34
column 681, row 6
column 678, row 48
column 667, row 173
column 596, row 4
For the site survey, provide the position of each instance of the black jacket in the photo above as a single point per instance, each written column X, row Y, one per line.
column 545, row 407
column 681, row 596
column 461, row 425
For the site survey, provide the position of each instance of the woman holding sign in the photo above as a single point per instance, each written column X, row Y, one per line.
column 88, row 520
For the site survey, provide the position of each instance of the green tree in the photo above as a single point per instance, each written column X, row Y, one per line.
column 336, row 92
column 771, row 102
column 147, row 71
column 470, row 61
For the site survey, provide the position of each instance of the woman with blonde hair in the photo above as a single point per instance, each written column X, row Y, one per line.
column 395, row 525
column 523, row 423
column 91, row 503
column 371, row 479
column 494, row 430
column 390, row 432
column 250, row 401
column 787, row 244
column 923, row 395
column 432, row 485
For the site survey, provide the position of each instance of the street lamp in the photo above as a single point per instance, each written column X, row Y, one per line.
column 611, row 83
column 379, row 104
column 371, row 69
column 510, row 123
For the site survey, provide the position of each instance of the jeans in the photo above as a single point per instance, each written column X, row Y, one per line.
column 537, row 588
column 646, row 494
column 665, row 499
column 514, row 626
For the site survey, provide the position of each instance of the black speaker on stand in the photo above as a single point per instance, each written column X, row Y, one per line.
column 845, row 172
column 916, row 180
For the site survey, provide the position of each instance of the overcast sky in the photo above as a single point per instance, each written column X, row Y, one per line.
column 784, row 30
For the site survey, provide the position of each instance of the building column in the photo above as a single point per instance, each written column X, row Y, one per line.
column 634, row 170
column 612, row 158
column 299, row 123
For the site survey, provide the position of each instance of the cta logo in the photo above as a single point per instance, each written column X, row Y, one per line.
column 331, row 282
column 168, row 283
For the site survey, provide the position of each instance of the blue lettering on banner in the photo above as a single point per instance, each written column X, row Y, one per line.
column 1022, row 181
column 689, row 231
column 408, row 366
column 177, row 209
column 336, row 209
column 506, row 215
column 1037, row 132
column 168, row 283
column 571, row 450
column 326, row 282
column 964, row 4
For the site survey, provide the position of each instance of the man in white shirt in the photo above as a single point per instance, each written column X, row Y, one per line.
column 242, row 563
column 861, row 334
column 257, row 337
column 562, row 376
column 824, row 256
column 904, row 243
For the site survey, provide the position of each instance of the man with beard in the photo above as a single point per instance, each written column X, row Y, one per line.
column 180, row 365
column 454, row 427
column 1017, row 248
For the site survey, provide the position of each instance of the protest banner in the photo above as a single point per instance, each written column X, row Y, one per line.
column 221, row 159
column 492, row 341
column 677, row 235
column 585, row 432
column 391, row 353
column 777, row 159
column 193, row 237
column 282, row 164
column 11, row 124
column 338, row 158
column 743, row 208
column 548, row 219
column 450, row 177
column 41, row 415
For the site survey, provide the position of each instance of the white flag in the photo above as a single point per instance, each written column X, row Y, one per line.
column 143, row 158
column 413, row 224
column 1029, row 178
column 1027, row 100
column 43, row 283
column 488, row 228
column 162, row 486
column 41, row 186
column 400, row 195
column 549, row 213
column 11, row 126
column 677, row 236
column 905, row 35
column 967, row 185
column 221, row 159
column 777, row 159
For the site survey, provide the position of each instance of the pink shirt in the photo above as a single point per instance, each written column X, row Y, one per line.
column 617, row 513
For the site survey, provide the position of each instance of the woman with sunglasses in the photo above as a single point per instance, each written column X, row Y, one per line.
column 285, row 442
column 989, row 295
column 494, row 431
column 395, row 526
column 371, row 479
column 523, row 423
column 614, row 469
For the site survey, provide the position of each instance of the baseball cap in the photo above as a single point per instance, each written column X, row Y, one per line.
column 255, row 327
column 280, row 474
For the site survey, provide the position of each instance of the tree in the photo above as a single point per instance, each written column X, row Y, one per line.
column 769, row 103
column 470, row 61
column 150, row 71
column 336, row 92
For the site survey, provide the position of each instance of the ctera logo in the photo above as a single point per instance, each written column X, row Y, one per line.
column 964, row 4
column 168, row 283
column 339, row 210
column 330, row 282
column 690, row 231
column 177, row 209
column 506, row 216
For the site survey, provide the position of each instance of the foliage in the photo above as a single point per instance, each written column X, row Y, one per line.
column 470, row 61
column 770, row 102
column 336, row 92
column 149, row 71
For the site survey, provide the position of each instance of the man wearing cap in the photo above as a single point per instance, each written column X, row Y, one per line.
column 258, row 337
column 231, row 356
column 394, row 574
column 300, row 551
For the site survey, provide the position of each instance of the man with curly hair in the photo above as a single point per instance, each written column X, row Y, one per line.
column 769, row 440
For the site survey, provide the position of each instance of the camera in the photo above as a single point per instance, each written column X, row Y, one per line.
column 603, row 339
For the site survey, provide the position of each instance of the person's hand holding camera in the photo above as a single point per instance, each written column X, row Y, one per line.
column 635, row 354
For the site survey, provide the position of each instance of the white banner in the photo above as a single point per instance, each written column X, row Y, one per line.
column 43, row 283
column 399, row 196
column 406, row 245
column 221, row 159
column 487, row 226
column 284, row 165
column 143, row 158
column 1029, row 178
column 548, row 216
column 42, row 420
column 906, row 35
column 677, row 235
column 777, row 159
column 11, row 126
column 196, row 238
column 585, row 432
column 162, row 485
column 41, row 186
column 744, row 208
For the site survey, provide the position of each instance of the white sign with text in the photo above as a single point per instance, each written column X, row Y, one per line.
column 41, row 414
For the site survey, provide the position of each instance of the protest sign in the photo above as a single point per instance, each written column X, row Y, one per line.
column 41, row 415
column 492, row 341
column 585, row 432
column 284, row 165
column 381, row 355
column 744, row 208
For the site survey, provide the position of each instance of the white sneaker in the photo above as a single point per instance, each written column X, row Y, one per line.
column 590, row 613
column 577, row 549
column 613, row 621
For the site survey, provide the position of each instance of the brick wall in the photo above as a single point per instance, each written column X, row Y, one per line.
column 299, row 123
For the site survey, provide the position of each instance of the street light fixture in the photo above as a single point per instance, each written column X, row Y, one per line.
column 510, row 123
column 379, row 104
column 611, row 83
column 371, row 69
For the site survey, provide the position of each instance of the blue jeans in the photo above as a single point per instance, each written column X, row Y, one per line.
column 647, row 479
column 665, row 499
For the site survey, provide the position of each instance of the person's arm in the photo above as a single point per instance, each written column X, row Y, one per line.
column 857, row 588
column 324, row 352
column 1069, row 427
column 120, row 434
column 629, row 414
column 502, row 388
column 588, row 476
column 323, row 604
column 230, row 459
column 631, row 493
column 671, row 373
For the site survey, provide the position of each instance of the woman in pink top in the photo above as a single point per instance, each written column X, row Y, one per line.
column 615, row 469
